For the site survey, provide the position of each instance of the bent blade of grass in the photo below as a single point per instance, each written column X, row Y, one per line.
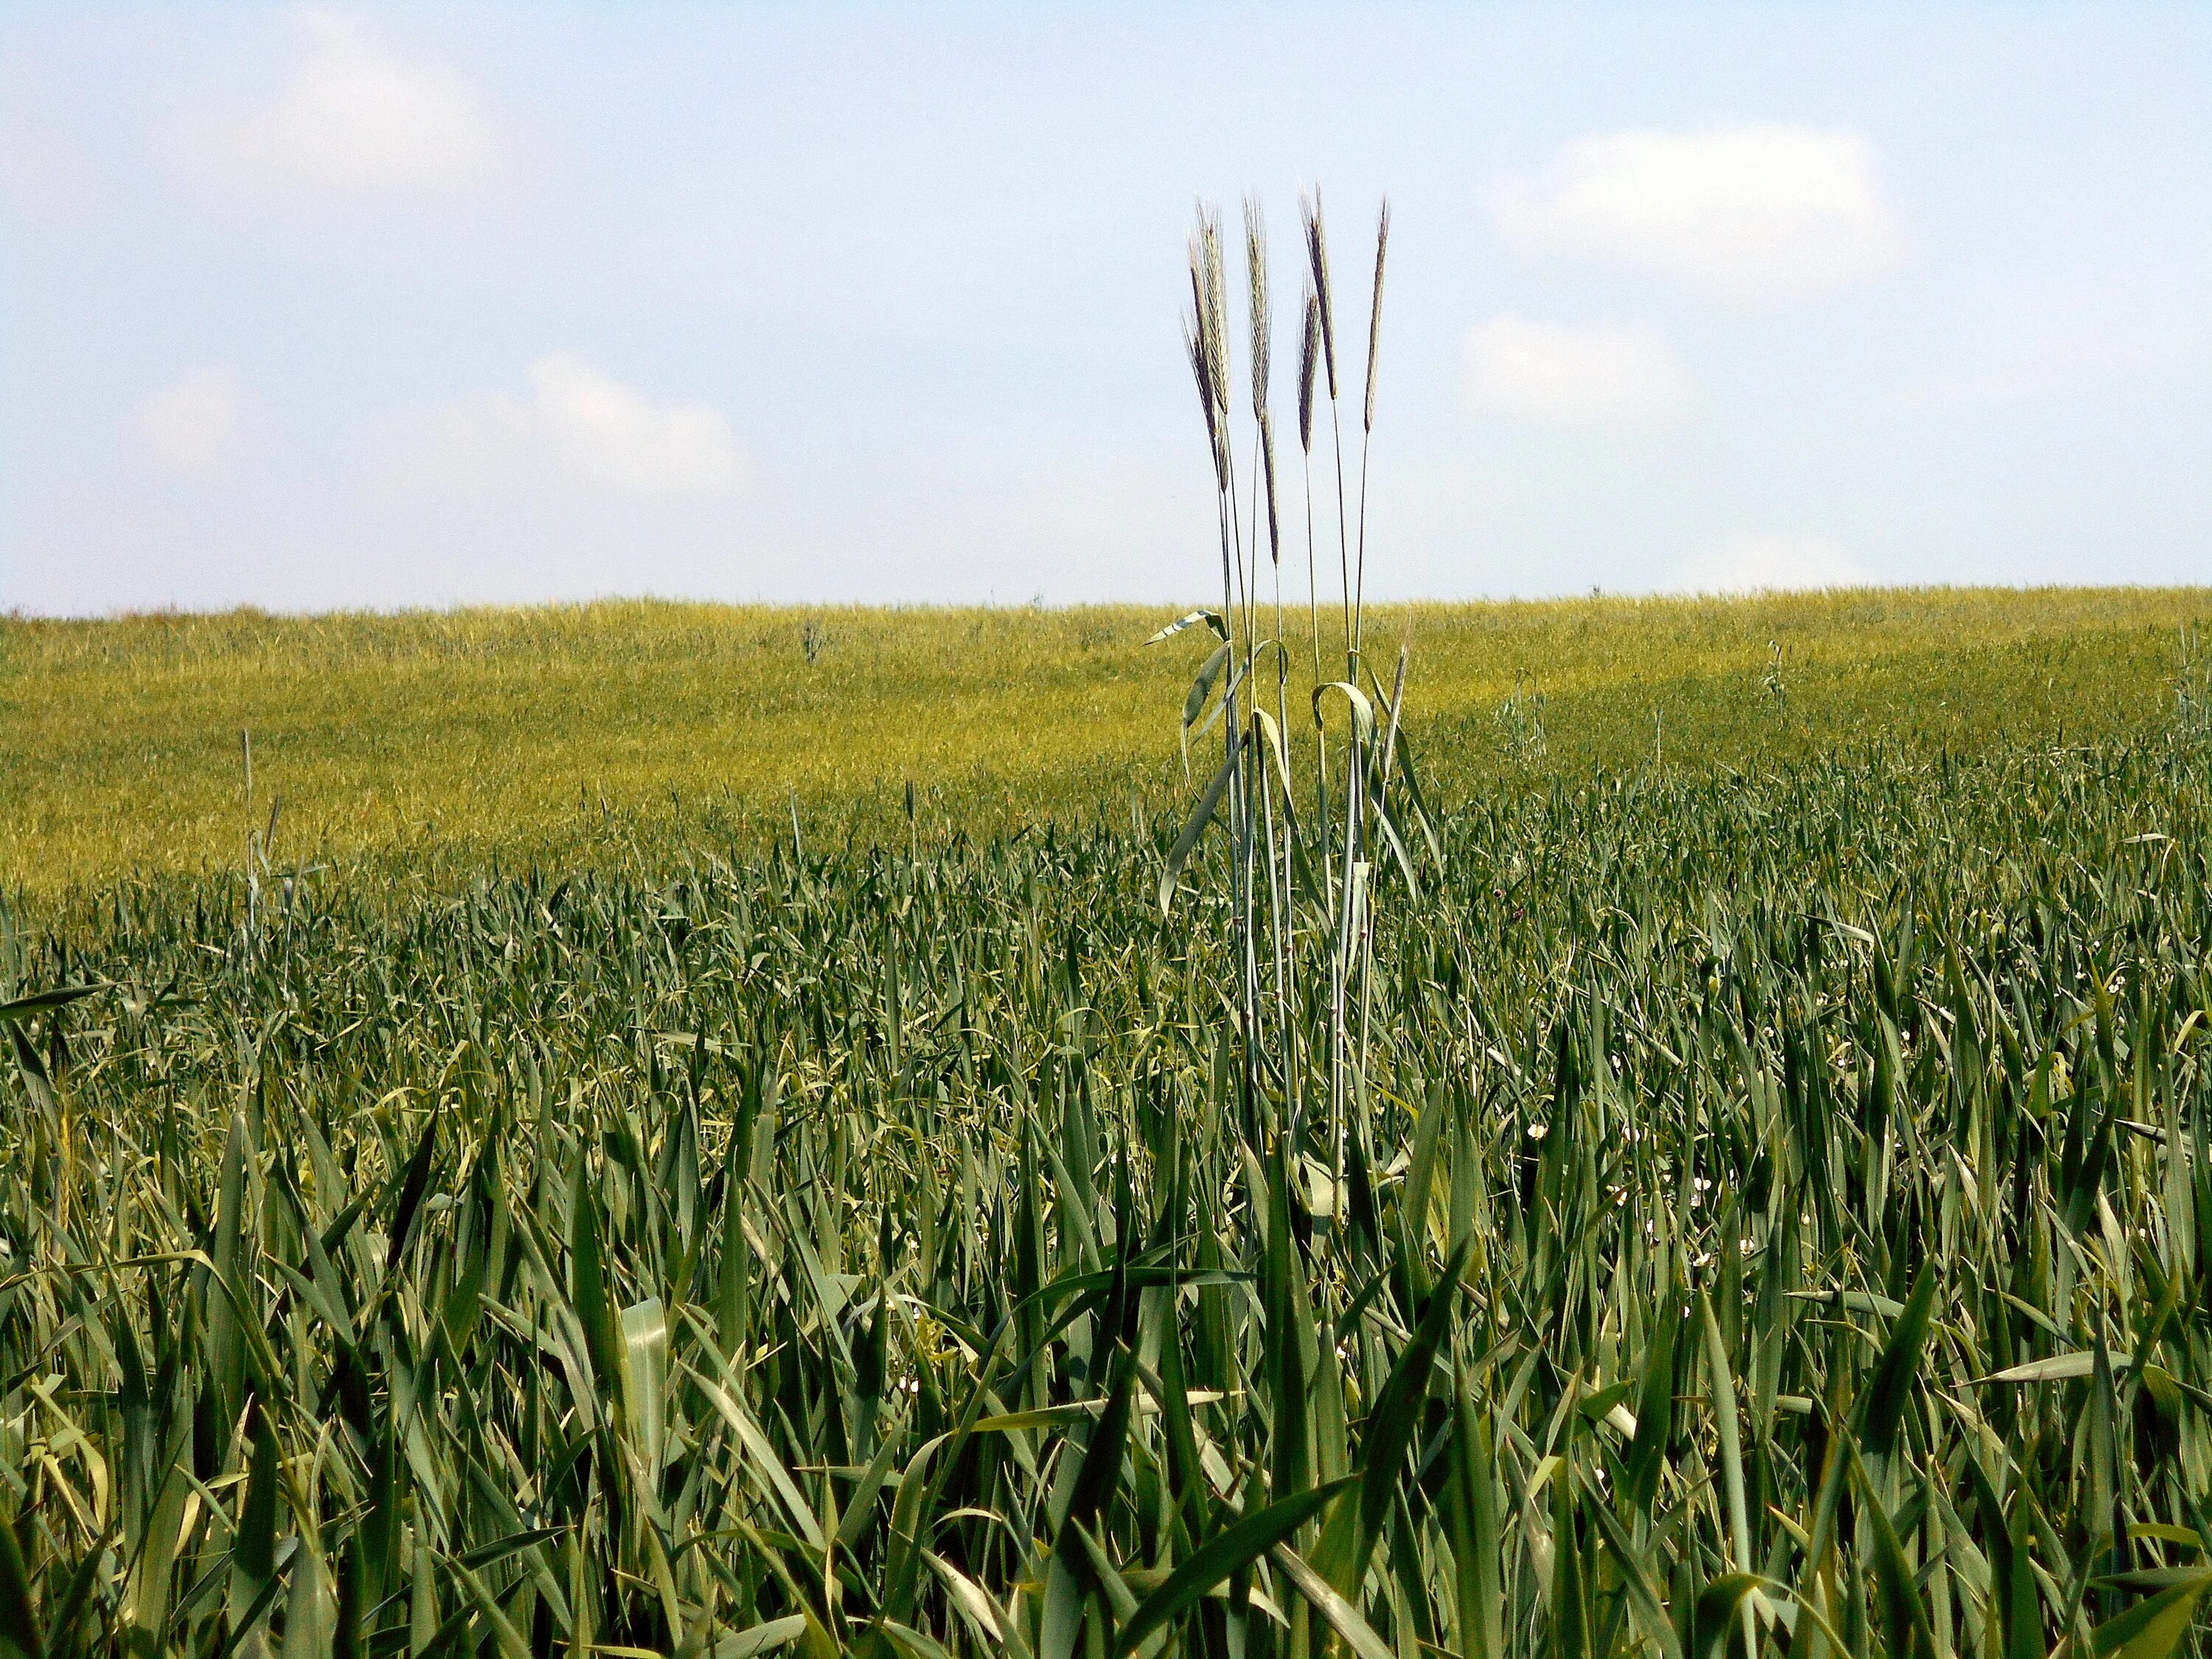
column 1229, row 1552
column 1202, row 815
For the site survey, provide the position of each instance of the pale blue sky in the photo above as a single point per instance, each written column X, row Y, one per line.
column 407, row 304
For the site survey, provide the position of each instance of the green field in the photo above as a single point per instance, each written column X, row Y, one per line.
column 1739, row 1184
column 432, row 742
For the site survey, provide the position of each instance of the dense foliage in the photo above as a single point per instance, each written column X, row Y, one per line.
column 1778, row 1211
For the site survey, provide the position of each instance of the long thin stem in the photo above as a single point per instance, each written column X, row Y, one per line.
column 1321, row 732
column 1382, row 799
column 1344, row 549
column 1367, row 425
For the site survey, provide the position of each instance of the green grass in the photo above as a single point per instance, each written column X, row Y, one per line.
column 1775, row 1220
column 589, row 1260
column 436, row 742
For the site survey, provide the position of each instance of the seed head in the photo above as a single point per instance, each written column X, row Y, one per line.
column 1255, row 268
column 1309, row 360
column 1317, row 258
column 1374, row 316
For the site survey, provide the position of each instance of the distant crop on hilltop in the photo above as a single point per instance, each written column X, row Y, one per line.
column 606, row 732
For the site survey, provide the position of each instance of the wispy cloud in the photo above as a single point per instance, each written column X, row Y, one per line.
column 190, row 428
column 579, row 424
column 1748, row 213
column 357, row 115
column 1569, row 374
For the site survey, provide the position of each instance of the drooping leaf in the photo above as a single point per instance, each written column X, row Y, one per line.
column 39, row 1002
column 1202, row 815
column 2154, row 1627
column 1211, row 619
column 1230, row 1550
column 1890, row 1389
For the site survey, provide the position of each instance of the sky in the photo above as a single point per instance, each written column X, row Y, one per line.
column 345, row 306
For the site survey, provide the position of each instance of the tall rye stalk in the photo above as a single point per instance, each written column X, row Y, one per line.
column 1319, row 883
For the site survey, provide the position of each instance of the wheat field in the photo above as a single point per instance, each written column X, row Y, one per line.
column 432, row 743
column 1775, row 1221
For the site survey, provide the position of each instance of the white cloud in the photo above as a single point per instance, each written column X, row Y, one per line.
column 584, row 425
column 1752, row 213
column 190, row 429
column 354, row 116
column 1562, row 374
column 1762, row 561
